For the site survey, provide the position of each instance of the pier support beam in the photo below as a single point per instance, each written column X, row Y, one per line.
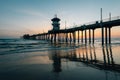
column 78, row 36
column 81, row 36
column 105, row 35
column 109, row 35
column 63, row 37
column 51, row 37
column 45, row 36
column 74, row 37
column 70, row 38
column 102, row 34
column 93, row 36
column 66, row 37
column 89, row 36
column 85, row 37
column 58, row 37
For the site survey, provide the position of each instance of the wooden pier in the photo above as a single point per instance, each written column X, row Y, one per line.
column 69, row 35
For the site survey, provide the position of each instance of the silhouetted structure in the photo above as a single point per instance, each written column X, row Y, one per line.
column 26, row 36
column 56, row 24
column 69, row 35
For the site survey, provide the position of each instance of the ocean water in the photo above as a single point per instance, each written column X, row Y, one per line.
column 41, row 60
column 11, row 46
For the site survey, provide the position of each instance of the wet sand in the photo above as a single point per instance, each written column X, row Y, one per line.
column 58, row 65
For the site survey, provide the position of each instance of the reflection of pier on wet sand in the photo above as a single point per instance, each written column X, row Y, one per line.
column 87, row 55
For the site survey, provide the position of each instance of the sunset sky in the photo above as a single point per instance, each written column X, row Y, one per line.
column 18, row 17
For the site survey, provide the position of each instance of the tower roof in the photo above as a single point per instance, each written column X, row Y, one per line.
column 55, row 18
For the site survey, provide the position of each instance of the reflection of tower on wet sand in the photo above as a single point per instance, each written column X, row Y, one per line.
column 55, row 56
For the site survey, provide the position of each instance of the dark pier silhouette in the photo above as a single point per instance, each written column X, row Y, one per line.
column 69, row 35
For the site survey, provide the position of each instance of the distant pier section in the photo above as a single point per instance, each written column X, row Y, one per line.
column 57, row 35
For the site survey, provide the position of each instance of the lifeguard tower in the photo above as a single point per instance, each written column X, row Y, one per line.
column 55, row 23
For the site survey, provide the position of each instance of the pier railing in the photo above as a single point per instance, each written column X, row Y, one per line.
column 111, row 19
column 104, row 20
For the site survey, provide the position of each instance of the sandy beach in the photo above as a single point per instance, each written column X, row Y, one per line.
column 59, row 64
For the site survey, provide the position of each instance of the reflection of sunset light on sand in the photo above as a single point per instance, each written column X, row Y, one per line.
column 37, row 60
